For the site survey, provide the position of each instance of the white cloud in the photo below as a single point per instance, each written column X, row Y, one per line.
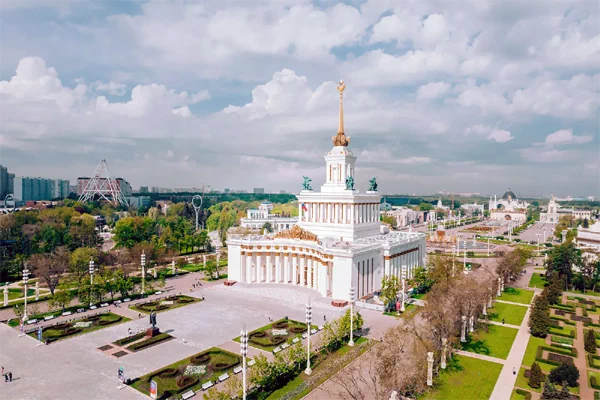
column 500, row 136
column 112, row 88
column 565, row 136
column 433, row 90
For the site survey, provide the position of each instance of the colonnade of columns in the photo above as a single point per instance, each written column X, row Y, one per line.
column 342, row 213
column 286, row 267
column 393, row 264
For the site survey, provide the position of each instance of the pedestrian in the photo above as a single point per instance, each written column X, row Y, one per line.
column 2, row 370
column 202, row 297
column 503, row 321
column 10, row 376
column 514, row 371
column 5, row 378
column 324, row 318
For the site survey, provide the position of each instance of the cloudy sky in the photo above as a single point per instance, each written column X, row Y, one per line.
column 466, row 96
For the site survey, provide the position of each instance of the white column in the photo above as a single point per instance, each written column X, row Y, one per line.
column 322, row 278
column 309, row 266
column 269, row 267
column 248, row 267
column 294, row 268
column 286, row 268
column 277, row 268
column 302, row 264
column 386, row 267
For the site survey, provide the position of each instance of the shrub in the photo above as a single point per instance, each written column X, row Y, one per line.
column 594, row 382
column 565, row 373
column 536, row 376
column 280, row 325
column 60, row 326
column 524, row 393
column 130, row 339
column 224, row 366
column 186, row 381
column 298, row 329
column 149, row 342
column 259, row 334
column 200, row 359
column 590, row 341
column 109, row 321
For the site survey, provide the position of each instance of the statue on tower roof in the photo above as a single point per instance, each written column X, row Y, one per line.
column 306, row 183
column 341, row 139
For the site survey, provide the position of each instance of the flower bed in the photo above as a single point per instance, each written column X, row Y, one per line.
column 186, row 374
column 144, row 344
column 561, row 340
column 165, row 304
column 270, row 336
column 67, row 329
column 129, row 339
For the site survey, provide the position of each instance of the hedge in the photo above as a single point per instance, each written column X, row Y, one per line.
column 594, row 383
column 149, row 342
column 559, row 333
column 524, row 393
column 130, row 339
column 572, row 352
column 591, row 358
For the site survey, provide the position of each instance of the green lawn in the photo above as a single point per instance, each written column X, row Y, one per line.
column 532, row 346
column 591, row 373
column 537, row 281
column 466, row 378
column 522, row 296
column 18, row 293
column 496, row 342
column 410, row 311
column 512, row 314
column 516, row 396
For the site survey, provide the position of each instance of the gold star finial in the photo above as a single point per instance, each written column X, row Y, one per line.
column 341, row 86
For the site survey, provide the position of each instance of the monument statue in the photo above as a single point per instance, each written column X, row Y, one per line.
column 373, row 184
column 153, row 319
column 349, row 183
column 306, row 184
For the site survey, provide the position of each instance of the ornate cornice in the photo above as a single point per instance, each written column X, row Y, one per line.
column 297, row 233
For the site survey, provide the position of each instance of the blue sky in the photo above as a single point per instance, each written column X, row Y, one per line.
column 467, row 96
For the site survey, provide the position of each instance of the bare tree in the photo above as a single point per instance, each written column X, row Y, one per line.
column 50, row 267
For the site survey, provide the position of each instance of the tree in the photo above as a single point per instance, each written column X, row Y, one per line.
column 565, row 373
column 50, row 267
column 550, row 392
column 388, row 219
column 590, row 342
column 425, row 206
column 553, row 291
column 390, row 286
column 267, row 227
column 108, row 279
column 421, row 279
column 62, row 298
column 562, row 259
column 80, row 260
column 539, row 321
column 586, row 223
column 535, row 376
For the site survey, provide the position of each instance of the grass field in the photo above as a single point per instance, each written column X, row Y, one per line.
column 532, row 346
column 512, row 314
column 537, row 281
column 496, row 342
column 516, row 396
column 18, row 293
column 521, row 296
column 465, row 378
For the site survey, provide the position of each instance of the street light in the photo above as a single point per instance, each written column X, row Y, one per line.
column 143, row 261
column 25, row 280
column 465, row 259
column 244, row 352
column 538, row 250
column 308, row 371
column 403, row 288
column 488, row 246
column 351, row 342
column 91, row 279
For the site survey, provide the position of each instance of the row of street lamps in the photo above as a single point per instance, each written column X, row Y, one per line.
column 308, row 370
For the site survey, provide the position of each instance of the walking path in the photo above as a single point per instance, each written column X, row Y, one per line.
column 585, row 392
column 506, row 380
column 480, row 356
column 501, row 324
column 512, row 302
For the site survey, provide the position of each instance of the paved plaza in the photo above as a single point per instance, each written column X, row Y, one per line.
column 75, row 369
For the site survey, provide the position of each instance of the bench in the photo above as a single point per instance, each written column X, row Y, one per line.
column 66, row 313
column 126, row 300
column 304, row 335
column 104, row 305
column 31, row 321
column 313, row 331
column 93, row 307
column 295, row 340
column 48, row 317
column 207, row 385
column 284, row 346
column 276, row 350
column 159, row 292
column 321, row 327
column 223, row 377
column 188, row 394
column 237, row 369
column 251, row 362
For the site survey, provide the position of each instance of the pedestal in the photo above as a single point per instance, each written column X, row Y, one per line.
column 151, row 332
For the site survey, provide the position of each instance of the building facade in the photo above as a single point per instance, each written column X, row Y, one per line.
column 7, row 183
column 590, row 237
column 338, row 242
column 508, row 208
column 555, row 211
column 257, row 217
column 36, row 189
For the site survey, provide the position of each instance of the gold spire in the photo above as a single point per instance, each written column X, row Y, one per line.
column 341, row 139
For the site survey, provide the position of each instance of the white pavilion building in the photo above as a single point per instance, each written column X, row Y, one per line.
column 338, row 242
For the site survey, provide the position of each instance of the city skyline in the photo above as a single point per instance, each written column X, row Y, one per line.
column 432, row 103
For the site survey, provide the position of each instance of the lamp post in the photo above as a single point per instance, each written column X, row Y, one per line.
column 544, row 235
column 510, row 232
column 244, row 352
column 143, row 261
column 351, row 342
column 488, row 246
column 308, row 371
column 465, row 259
column 538, row 249
column 403, row 288
column 25, row 280
column 91, row 279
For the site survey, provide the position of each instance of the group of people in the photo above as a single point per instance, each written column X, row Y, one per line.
column 7, row 376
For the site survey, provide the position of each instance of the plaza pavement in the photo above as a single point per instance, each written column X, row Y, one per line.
column 75, row 369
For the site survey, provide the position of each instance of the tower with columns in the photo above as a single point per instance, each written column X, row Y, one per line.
column 338, row 242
